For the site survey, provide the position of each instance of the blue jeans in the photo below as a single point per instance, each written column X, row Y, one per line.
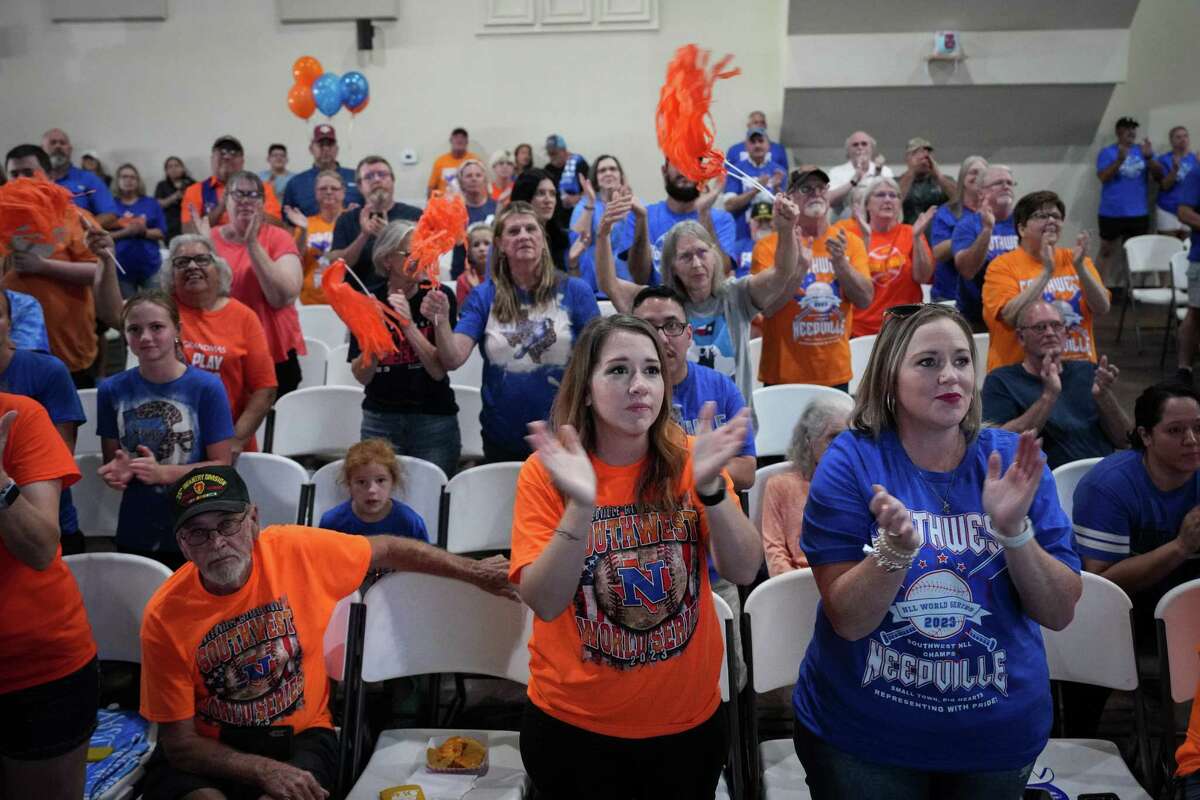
column 432, row 437
column 1191, row 786
column 833, row 775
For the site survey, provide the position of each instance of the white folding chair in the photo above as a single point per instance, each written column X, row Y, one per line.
column 982, row 345
column 1177, row 619
column 782, row 613
column 1067, row 477
column 86, row 438
column 322, row 323
column 423, row 624
column 337, row 370
column 479, row 508
column 860, row 354
column 778, row 407
column 756, row 492
column 470, row 405
column 423, row 485
column 1150, row 255
column 321, row 419
column 755, row 354
column 471, row 371
column 1179, row 282
column 734, row 769
column 313, row 363
column 98, row 504
column 607, row 309
column 276, row 485
column 333, row 643
column 1097, row 648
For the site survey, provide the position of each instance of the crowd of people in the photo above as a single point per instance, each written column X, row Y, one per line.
column 636, row 431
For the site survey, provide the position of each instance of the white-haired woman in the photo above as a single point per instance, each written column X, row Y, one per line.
column 786, row 493
column 220, row 334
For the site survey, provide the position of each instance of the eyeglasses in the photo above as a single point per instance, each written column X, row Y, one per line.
column 671, row 327
column 888, row 195
column 903, row 311
column 239, row 194
column 812, row 188
column 201, row 260
column 906, row 310
column 376, row 175
column 227, row 527
column 1045, row 215
column 1042, row 327
column 228, row 152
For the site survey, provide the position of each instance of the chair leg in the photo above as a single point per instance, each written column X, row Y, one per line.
column 1137, row 328
column 1162, row 359
column 1121, row 321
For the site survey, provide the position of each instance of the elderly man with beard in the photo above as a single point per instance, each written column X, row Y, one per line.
column 982, row 235
column 232, row 643
column 355, row 230
column 88, row 191
column 206, row 198
column 1071, row 404
column 806, row 338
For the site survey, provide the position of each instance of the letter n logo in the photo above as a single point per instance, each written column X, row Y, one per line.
column 644, row 586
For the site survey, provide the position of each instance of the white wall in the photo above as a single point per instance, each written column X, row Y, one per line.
column 141, row 91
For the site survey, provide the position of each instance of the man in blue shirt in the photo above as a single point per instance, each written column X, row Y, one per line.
column 982, row 235
column 740, row 194
column 1124, row 169
column 736, row 154
column 1188, row 211
column 89, row 191
column 566, row 169
column 301, row 189
column 1173, row 168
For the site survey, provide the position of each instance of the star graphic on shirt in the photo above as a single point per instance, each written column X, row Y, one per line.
column 922, row 563
column 942, row 558
column 961, row 567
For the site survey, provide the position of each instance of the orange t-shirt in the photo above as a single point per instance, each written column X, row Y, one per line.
column 850, row 226
column 445, row 169
column 638, row 652
column 194, row 196
column 1188, row 754
column 44, row 630
column 890, row 260
column 69, row 308
column 1007, row 275
column 229, row 342
column 320, row 237
column 808, row 340
column 254, row 657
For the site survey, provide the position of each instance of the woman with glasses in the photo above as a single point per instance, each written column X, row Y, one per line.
column 718, row 310
column 220, row 334
column 1039, row 270
column 156, row 422
column 897, row 255
column 267, row 275
column 408, row 399
column 616, row 516
column 940, row 550
column 141, row 231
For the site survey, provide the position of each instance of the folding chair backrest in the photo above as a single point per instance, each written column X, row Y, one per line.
column 323, row 419
column 334, row 641
column 754, row 353
column 480, row 509
column 470, row 373
column 276, row 484
column 86, row 438
column 1097, row 647
column 1151, row 253
column 423, row 484
column 470, row 404
column 782, row 613
column 724, row 616
column 313, row 364
column 777, row 408
column 982, row 344
column 421, row 624
column 860, row 354
column 322, row 322
column 116, row 588
column 337, row 371
column 1179, row 268
column 1178, row 613
column 761, row 476
column 1067, row 477
column 98, row 504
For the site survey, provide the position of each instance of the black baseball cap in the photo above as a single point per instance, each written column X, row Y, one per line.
column 801, row 173
column 228, row 142
column 205, row 489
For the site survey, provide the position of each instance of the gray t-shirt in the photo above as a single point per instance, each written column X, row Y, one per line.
column 721, row 332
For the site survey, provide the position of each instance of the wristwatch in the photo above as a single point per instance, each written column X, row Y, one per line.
column 9, row 494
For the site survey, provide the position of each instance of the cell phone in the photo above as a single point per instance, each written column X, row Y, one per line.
column 1099, row 796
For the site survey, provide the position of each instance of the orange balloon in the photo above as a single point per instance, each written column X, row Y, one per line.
column 360, row 106
column 306, row 70
column 300, row 100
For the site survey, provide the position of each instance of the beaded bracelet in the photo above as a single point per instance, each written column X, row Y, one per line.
column 888, row 555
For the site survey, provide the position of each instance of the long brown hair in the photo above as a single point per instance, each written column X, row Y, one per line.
column 667, row 441
column 507, row 307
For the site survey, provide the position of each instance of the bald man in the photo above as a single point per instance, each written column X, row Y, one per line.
column 88, row 190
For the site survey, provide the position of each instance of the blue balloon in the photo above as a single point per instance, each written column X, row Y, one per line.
column 355, row 90
column 327, row 92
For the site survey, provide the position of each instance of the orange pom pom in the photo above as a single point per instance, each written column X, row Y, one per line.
column 35, row 214
column 685, row 133
column 443, row 224
column 374, row 324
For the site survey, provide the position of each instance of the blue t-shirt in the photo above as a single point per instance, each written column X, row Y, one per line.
column 660, row 219
column 46, row 379
column 734, row 185
column 1124, row 194
column 743, row 257
column 523, row 361
column 955, row 654
column 140, row 256
column 945, row 276
column 177, row 421
column 1189, row 195
column 88, row 191
column 301, row 190
column 620, row 246
column 737, row 155
column 1004, row 238
column 1168, row 200
column 28, row 331
column 400, row 521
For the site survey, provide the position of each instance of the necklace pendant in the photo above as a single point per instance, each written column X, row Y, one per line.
column 945, row 507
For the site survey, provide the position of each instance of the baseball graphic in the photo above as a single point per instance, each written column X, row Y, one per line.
column 639, row 589
column 932, row 592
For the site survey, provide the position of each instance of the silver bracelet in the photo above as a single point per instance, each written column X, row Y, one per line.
column 888, row 555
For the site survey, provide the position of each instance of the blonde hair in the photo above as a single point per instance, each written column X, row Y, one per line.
column 507, row 307
column 689, row 227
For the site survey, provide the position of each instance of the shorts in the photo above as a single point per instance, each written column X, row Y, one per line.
column 1193, row 284
column 1168, row 223
column 315, row 750
column 48, row 720
column 1122, row 228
